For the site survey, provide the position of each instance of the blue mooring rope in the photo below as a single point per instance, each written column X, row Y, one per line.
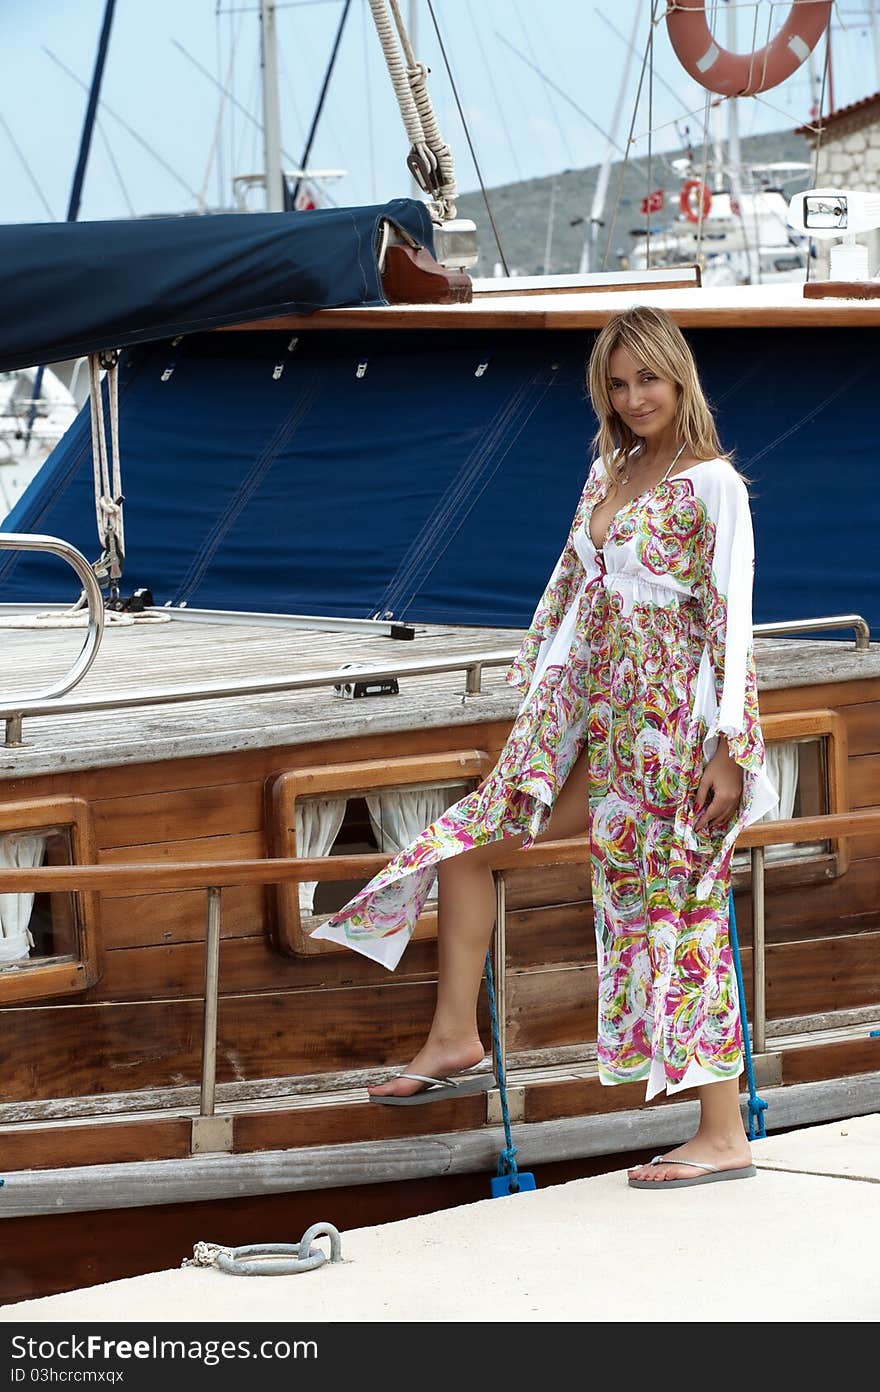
column 506, row 1159
column 757, row 1105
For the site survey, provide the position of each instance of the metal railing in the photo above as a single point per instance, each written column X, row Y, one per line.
column 207, row 1136
column 53, row 546
column 471, row 664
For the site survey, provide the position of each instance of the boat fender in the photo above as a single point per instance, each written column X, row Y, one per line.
column 743, row 74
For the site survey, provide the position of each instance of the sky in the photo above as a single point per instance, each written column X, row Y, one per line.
column 538, row 81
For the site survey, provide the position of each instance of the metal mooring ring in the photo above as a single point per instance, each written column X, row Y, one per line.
column 244, row 1261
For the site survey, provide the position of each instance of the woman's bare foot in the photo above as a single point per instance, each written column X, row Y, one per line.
column 722, row 1152
column 436, row 1059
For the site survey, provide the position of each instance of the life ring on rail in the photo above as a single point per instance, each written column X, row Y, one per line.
column 694, row 193
column 743, row 74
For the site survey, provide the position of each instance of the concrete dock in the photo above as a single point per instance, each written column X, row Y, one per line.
column 797, row 1243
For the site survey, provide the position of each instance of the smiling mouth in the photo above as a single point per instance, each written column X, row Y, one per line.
column 644, row 417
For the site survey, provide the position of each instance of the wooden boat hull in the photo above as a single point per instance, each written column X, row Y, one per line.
column 100, row 1084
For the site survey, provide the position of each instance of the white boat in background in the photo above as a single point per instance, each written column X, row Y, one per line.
column 744, row 240
column 30, row 427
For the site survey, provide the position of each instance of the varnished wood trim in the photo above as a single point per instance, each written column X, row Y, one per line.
column 186, row 875
column 833, row 1060
column 350, row 1123
column 288, row 932
column 819, row 724
column 104, row 1143
column 831, row 695
column 64, row 975
column 510, row 316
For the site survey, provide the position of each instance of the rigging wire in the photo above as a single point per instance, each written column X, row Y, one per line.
column 313, row 65
column 468, row 138
column 30, row 173
column 650, row 145
column 371, row 137
column 216, row 150
column 255, row 160
column 487, row 68
column 707, row 104
column 310, row 139
column 632, row 123
column 126, row 127
column 116, row 170
column 553, row 112
column 826, row 67
column 218, row 47
column 234, row 102
column 550, row 83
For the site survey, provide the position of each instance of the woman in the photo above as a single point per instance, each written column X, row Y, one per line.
column 639, row 725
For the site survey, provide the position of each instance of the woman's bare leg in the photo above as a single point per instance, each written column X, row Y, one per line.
column 465, row 917
column 720, row 1139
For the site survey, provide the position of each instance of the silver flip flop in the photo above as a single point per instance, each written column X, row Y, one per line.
column 712, row 1175
column 480, row 1078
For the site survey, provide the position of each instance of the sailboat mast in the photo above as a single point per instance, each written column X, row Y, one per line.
column 271, row 108
column 589, row 251
column 734, row 159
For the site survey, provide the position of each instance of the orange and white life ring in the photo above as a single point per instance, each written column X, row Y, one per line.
column 694, row 193
column 743, row 74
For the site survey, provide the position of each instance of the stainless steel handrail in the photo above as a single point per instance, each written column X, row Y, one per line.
column 54, row 546
column 469, row 663
column 855, row 621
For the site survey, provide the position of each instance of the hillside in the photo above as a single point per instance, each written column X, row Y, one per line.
column 522, row 210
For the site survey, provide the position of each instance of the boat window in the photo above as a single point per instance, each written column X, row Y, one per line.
column 384, row 822
column 797, row 768
column 809, row 773
column 36, row 927
column 374, row 806
column 47, row 938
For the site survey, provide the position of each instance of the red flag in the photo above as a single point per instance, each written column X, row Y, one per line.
column 654, row 202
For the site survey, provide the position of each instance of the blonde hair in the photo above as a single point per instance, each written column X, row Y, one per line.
column 654, row 339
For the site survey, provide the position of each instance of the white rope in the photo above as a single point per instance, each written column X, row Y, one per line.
column 397, row 72
column 430, row 159
column 76, row 617
column 108, row 489
column 417, row 74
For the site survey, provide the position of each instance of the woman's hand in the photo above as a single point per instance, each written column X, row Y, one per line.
column 720, row 788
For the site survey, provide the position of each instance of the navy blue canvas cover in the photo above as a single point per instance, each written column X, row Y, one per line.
column 69, row 288
column 433, row 474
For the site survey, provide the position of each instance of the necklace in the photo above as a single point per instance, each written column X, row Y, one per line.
column 625, row 476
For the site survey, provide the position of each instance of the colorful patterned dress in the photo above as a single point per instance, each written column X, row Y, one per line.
column 642, row 652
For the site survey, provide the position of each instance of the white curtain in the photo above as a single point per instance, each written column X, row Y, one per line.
column 18, row 851
column 317, row 826
column 782, row 770
column 398, row 815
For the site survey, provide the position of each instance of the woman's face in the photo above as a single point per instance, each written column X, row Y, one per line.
column 645, row 402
